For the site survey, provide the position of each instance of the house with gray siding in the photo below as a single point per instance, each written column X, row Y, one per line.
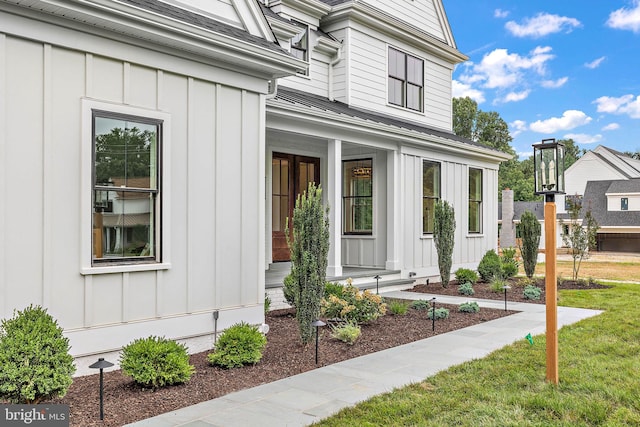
column 151, row 153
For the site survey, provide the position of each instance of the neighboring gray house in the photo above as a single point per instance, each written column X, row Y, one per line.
column 151, row 153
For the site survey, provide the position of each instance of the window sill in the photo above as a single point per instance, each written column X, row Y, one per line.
column 358, row 236
column 124, row 268
column 474, row 235
column 427, row 237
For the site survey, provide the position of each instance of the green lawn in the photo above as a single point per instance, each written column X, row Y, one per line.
column 599, row 366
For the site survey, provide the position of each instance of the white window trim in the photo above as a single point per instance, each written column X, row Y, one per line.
column 482, row 203
column 423, row 111
column 374, row 195
column 163, row 231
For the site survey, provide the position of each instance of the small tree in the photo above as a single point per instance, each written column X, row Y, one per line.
column 579, row 236
column 530, row 231
column 35, row 363
column 444, row 227
column 308, row 240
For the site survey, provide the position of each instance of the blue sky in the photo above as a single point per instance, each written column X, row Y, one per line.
column 553, row 68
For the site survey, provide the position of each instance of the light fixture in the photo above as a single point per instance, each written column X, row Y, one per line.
column 101, row 364
column 317, row 323
column 548, row 166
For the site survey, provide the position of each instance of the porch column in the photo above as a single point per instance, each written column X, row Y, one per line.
column 334, row 198
column 394, row 226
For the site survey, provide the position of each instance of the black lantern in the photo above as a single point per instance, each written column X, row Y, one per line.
column 548, row 163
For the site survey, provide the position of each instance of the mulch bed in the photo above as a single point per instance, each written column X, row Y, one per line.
column 284, row 356
column 515, row 294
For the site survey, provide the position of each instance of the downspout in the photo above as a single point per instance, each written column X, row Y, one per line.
column 273, row 89
column 332, row 63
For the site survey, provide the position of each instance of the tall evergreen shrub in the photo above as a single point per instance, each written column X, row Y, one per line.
column 530, row 231
column 444, row 228
column 308, row 240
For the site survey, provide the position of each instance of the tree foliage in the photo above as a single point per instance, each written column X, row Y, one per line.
column 581, row 235
column 123, row 153
column 308, row 240
column 530, row 229
column 444, row 228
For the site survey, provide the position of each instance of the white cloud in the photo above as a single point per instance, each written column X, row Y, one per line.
column 595, row 63
column 501, row 69
column 611, row 126
column 626, row 19
column 525, row 154
column 515, row 96
column 583, row 138
column 570, row 119
column 626, row 104
column 461, row 90
column 554, row 84
column 541, row 25
column 499, row 13
column 517, row 127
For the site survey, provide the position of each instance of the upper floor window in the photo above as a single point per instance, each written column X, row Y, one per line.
column 475, row 200
column 125, row 188
column 300, row 43
column 624, row 204
column 357, row 196
column 430, row 193
column 406, row 80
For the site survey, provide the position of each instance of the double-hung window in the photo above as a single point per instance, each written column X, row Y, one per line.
column 357, row 196
column 406, row 80
column 430, row 193
column 126, row 188
column 475, row 200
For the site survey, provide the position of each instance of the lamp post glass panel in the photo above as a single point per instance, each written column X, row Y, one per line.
column 548, row 164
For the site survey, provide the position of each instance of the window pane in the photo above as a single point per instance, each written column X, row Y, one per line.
column 397, row 64
column 428, row 214
column 415, row 74
column 357, row 196
column 474, row 217
column 396, row 95
column 125, row 153
column 128, row 229
column 414, row 97
column 475, row 184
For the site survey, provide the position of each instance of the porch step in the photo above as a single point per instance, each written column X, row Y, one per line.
column 388, row 285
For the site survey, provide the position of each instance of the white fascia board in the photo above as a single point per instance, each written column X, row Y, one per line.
column 380, row 21
column 283, row 30
column 313, row 8
column 391, row 133
column 253, row 19
column 145, row 27
column 327, row 46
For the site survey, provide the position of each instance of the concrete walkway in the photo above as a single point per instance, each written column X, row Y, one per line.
column 309, row 397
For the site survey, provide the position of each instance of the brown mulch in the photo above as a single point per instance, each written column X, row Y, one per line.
column 284, row 356
column 483, row 290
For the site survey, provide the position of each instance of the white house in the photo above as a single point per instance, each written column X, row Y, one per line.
column 151, row 153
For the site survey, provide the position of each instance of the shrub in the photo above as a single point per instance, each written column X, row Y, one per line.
column 241, row 344
column 398, row 307
column 490, row 266
column 444, row 227
column 469, row 307
column 333, row 288
column 466, row 289
column 421, row 304
column 156, row 362
column 531, row 292
column 289, row 290
column 348, row 332
column 464, row 275
column 508, row 253
column 35, row 363
column 530, row 230
column 441, row 313
column 497, row 284
column 509, row 268
column 354, row 305
column 308, row 241
column 267, row 303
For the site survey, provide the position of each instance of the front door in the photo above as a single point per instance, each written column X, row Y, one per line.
column 291, row 176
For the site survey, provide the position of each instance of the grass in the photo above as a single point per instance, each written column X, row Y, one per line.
column 620, row 271
column 598, row 366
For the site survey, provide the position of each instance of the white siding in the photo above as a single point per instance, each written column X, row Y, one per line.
column 214, row 173
column 417, row 13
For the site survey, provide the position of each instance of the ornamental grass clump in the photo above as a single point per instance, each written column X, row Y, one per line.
column 353, row 305
column 35, row 363
column 398, row 307
column 241, row 344
column 348, row 332
column 155, row 362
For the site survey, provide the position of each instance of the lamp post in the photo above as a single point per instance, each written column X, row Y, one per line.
column 101, row 364
column 505, row 287
column 317, row 323
column 377, row 277
column 548, row 165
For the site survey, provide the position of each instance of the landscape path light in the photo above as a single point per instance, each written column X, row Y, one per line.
column 101, row 364
column 318, row 323
column 548, row 178
column 377, row 277
column 505, row 287
column 433, row 314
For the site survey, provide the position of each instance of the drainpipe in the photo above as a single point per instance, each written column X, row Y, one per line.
column 273, row 89
column 335, row 61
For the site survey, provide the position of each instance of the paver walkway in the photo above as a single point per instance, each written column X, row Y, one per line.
column 311, row 396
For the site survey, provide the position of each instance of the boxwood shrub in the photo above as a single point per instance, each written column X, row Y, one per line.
column 239, row 345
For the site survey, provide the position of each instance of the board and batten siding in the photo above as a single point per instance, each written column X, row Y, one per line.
column 367, row 86
column 212, row 179
column 419, row 252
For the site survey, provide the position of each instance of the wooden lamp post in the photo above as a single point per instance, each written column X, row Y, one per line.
column 548, row 161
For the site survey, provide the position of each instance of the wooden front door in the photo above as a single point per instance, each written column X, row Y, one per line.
column 291, row 176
